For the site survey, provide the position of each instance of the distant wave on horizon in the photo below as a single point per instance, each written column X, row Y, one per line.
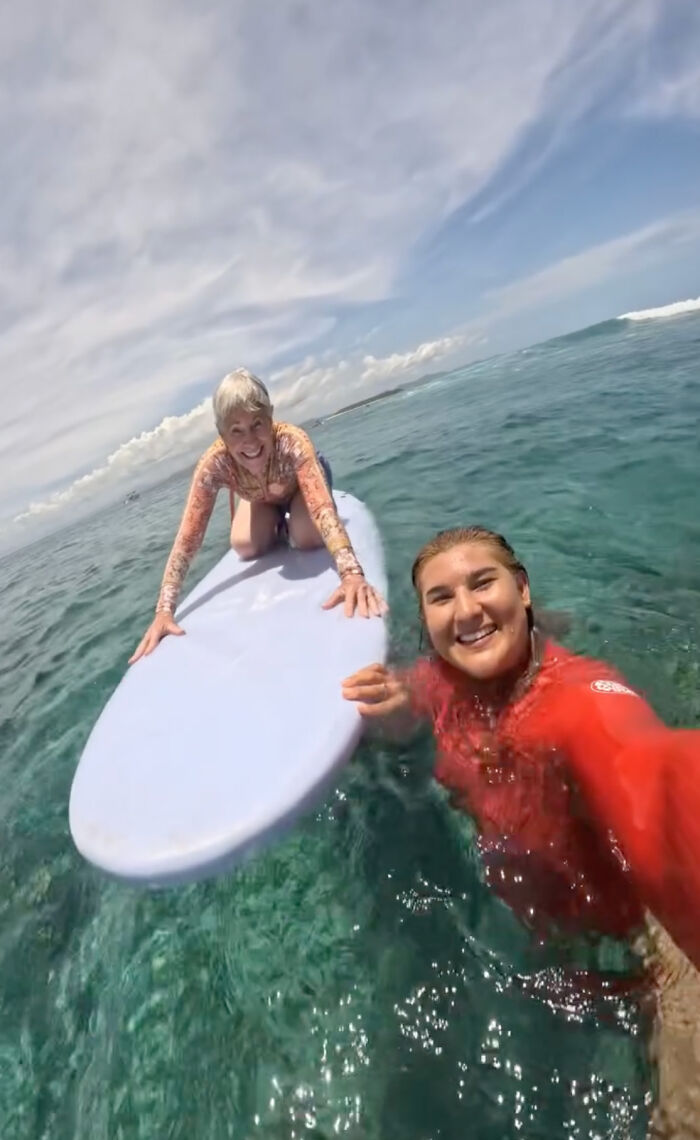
column 678, row 308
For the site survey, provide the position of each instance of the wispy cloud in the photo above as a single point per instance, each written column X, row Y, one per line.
column 573, row 275
column 666, row 74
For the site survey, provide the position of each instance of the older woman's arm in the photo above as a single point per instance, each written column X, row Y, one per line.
column 209, row 476
column 354, row 590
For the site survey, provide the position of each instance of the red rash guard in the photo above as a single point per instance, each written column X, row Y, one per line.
column 588, row 806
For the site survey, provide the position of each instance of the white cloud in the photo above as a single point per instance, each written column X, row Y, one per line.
column 313, row 387
column 400, row 363
column 144, row 460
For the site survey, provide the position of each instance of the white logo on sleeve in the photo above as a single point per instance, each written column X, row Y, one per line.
column 611, row 687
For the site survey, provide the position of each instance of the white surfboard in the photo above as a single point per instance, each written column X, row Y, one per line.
column 214, row 744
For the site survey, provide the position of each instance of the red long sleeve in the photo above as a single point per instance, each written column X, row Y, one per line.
column 641, row 782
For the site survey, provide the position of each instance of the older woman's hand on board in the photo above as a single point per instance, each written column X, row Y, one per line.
column 358, row 596
column 160, row 627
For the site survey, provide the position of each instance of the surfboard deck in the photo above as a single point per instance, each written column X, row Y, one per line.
column 212, row 746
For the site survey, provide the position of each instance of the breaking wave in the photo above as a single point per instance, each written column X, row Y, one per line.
column 675, row 310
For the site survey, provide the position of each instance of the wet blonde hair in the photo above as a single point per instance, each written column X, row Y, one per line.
column 460, row 536
column 240, row 391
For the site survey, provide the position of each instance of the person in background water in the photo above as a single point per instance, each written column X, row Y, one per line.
column 283, row 490
column 587, row 806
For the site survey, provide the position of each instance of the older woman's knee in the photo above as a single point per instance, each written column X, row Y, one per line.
column 307, row 540
column 245, row 548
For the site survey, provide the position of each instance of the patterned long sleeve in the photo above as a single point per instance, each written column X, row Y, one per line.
column 209, row 476
column 319, row 501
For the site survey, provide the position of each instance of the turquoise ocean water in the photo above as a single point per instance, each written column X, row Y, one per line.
column 357, row 980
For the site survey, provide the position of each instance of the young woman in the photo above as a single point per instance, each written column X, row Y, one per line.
column 588, row 807
column 283, row 488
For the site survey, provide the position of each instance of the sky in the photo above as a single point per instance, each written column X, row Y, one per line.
column 340, row 196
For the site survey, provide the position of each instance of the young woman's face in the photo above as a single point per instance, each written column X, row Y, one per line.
column 248, row 437
column 474, row 610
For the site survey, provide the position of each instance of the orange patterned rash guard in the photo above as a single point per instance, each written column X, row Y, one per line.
column 293, row 465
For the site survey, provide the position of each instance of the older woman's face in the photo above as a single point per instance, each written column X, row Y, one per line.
column 248, row 437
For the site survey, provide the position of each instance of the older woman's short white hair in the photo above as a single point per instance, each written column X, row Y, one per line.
column 240, row 391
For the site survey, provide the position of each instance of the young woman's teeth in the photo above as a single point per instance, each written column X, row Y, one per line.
column 472, row 638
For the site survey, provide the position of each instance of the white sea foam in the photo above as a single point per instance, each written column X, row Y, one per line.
column 674, row 310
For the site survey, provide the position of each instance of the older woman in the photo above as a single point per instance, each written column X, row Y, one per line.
column 587, row 806
column 282, row 487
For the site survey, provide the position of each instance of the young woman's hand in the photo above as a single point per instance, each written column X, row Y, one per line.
column 377, row 692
